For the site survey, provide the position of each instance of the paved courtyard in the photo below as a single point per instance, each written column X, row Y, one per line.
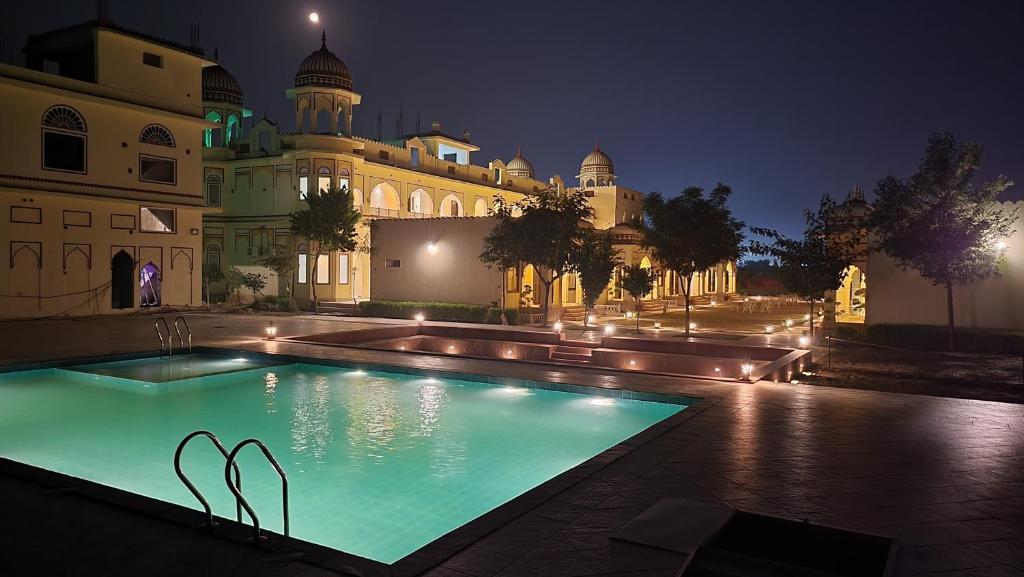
column 944, row 476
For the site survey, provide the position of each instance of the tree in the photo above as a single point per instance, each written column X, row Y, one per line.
column 281, row 260
column 596, row 260
column 211, row 274
column 328, row 224
column 255, row 282
column 939, row 224
column 234, row 279
column 817, row 262
column 637, row 281
column 546, row 235
column 690, row 233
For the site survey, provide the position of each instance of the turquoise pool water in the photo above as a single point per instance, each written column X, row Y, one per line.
column 379, row 464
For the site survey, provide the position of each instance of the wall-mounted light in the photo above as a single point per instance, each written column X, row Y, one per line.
column 419, row 318
column 271, row 330
column 432, row 248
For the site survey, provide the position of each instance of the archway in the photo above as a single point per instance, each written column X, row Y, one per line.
column 420, row 202
column 122, row 286
column 149, row 285
column 26, row 274
column 851, row 297
column 451, row 205
column 357, row 199
column 646, row 263
column 529, row 292
column 481, row 207
column 384, row 197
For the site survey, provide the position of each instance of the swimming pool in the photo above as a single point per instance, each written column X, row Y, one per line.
column 379, row 462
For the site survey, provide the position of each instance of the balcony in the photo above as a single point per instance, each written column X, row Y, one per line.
column 378, row 212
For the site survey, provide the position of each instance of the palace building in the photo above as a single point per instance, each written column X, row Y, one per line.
column 100, row 173
column 131, row 162
column 253, row 182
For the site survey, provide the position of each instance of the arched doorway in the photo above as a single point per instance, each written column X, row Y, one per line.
column 122, row 291
column 481, row 207
column 646, row 263
column 852, row 297
column 149, row 285
column 451, row 205
column 384, row 200
column 420, row 203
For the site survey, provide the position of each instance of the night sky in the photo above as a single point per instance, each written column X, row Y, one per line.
column 783, row 101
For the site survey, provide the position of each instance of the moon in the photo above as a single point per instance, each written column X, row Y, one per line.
column 314, row 17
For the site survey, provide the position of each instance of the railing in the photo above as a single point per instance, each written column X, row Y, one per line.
column 192, row 488
column 159, row 333
column 238, row 493
column 379, row 212
column 188, row 331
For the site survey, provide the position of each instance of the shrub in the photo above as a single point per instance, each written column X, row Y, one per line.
column 435, row 311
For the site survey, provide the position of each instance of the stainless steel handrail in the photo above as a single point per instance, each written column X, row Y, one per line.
column 192, row 488
column 238, row 493
column 188, row 331
column 170, row 343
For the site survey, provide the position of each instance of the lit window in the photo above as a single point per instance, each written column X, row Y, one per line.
column 323, row 180
column 343, row 183
column 303, row 187
column 343, row 269
column 156, row 219
column 64, row 142
column 303, row 273
column 157, row 169
column 323, row 269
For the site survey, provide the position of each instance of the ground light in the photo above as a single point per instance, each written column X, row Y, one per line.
column 558, row 326
column 769, row 329
column 693, row 326
column 657, row 324
column 789, row 323
column 746, row 369
column 804, row 341
column 591, row 319
column 419, row 317
column 609, row 329
column 271, row 330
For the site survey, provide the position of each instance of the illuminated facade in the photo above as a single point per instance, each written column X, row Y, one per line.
column 100, row 174
column 255, row 180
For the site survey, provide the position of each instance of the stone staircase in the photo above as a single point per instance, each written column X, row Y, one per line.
column 339, row 308
column 575, row 355
column 573, row 313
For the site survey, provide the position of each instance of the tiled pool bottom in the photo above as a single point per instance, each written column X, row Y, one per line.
column 379, row 463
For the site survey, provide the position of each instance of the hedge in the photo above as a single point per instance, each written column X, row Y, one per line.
column 934, row 338
column 436, row 311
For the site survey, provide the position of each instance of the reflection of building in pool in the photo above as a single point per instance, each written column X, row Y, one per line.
column 425, row 174
column 100, row 173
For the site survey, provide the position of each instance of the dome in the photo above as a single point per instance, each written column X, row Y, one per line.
column 597, row 162
column 323, row 68
column 519, row 167
column 220, row 86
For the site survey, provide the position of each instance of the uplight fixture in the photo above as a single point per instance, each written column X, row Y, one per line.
column 419, row 317
column 271, row 331
column 804, row 341
column 558, row 326
column 769, row 329
column 609, row 329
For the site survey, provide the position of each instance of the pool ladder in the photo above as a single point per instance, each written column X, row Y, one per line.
column 235, row 486
column 168, row 344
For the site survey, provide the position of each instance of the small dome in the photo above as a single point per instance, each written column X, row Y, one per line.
column 220, row 86
column 597, row 162
column 323, row 68
column 519, row 167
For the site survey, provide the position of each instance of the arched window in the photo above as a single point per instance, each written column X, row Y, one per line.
column 323, row 179
column 156, row 134
column 420, row 202
column 481, row 207
column 590, row 182
column 212, row 136
column 213, row 253
column 233, row 129
column 64, row 140
column 303, row 182
column 451, row 205
column 213, row 190
column 343, row 178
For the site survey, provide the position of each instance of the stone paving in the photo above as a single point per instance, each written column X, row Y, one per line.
column 943, row 476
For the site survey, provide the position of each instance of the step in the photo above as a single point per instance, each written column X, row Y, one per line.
column 573, row 350
column 556, row 356
column 575, row 361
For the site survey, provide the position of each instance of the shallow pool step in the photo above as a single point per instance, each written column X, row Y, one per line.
column 574, row 350
column 571, row 354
